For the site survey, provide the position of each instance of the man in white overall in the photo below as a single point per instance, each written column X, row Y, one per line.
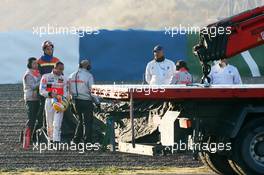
column 51, row 85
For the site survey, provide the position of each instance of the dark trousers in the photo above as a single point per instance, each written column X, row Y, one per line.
column 32, row 113
column 41, row 112
column 84, row 129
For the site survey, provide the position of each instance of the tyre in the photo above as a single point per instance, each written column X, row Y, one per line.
column 248, row 148
column 217, row 163
column 235, row 167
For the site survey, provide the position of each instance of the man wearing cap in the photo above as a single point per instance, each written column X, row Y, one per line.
column 80, row 83
column 47, row 61
column 160, row 70
column 46, row 64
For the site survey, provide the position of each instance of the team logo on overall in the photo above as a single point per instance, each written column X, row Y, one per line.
column 60, row 80
column 262, row 35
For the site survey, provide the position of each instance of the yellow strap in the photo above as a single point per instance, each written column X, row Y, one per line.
column 47, row 64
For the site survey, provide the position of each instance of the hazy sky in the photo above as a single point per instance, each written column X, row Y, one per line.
column 111, row 14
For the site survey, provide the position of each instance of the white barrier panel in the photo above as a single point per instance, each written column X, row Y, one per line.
column 17, row 47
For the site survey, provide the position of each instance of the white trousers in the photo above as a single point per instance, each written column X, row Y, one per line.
column 54, row 121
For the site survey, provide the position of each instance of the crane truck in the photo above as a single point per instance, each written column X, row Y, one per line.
column 229, row 116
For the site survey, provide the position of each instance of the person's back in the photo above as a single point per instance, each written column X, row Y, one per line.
column 182, row 75
column 80, row 83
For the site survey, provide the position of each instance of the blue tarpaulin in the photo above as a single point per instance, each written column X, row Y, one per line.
column 123, row 55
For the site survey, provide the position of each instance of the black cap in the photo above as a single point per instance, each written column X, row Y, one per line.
column 157, row 48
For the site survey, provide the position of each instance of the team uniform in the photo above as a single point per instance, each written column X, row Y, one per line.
column 160, row 73
column 80, row 83
column 56, row 84
column 84, row 80
column 31, row 82
column 225, row 75
column 182, row 76
column 46, row 65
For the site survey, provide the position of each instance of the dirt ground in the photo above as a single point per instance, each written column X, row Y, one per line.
column 14, row 160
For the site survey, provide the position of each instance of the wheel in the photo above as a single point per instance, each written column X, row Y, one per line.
column 217, row 163
column 235, row 167
column 248, row 148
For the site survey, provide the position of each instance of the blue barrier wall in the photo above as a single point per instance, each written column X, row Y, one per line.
column 123, row 55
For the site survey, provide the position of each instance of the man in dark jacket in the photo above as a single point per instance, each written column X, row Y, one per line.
column 46, row 64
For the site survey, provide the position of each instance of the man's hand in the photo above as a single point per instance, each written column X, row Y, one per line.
column 97, row 107
column 52, row 94
column 69, row 97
